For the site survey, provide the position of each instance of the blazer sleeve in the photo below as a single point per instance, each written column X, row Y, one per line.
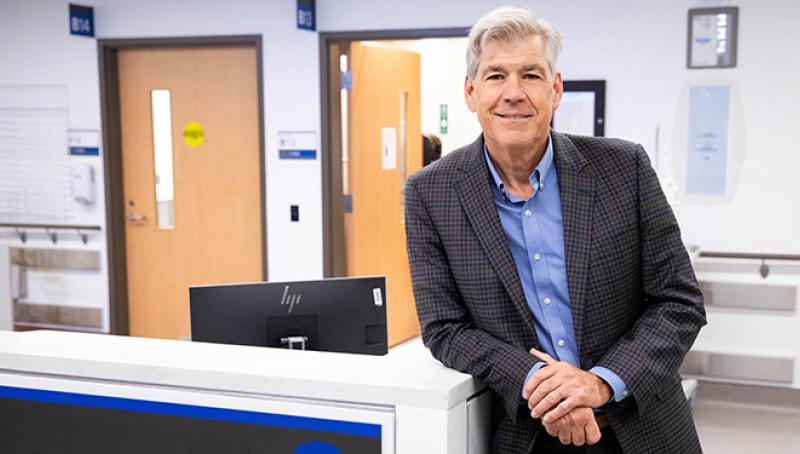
column 447, row 329
column 649, row 356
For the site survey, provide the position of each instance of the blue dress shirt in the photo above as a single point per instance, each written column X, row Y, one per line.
column 535, row 232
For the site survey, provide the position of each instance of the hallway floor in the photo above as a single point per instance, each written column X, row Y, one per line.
column 746, row 425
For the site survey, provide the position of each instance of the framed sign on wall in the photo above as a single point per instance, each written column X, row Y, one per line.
column 712, row 37
column 583, row 108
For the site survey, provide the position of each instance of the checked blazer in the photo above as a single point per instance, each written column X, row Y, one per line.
column 635, row 302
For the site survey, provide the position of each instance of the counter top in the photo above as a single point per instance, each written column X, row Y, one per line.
column 408, row 375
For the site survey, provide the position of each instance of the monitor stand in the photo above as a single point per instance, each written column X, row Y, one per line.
column 293, row 332
column 294, row 341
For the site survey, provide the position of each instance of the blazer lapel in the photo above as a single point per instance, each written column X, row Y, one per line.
column 576, row 187
column 478, row 202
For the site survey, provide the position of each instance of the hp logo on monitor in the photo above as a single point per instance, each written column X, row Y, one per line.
column 290, row 300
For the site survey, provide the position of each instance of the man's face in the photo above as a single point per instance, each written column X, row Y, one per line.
column 514, row 93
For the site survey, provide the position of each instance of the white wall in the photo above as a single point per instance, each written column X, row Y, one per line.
column 38, row 49
column 639, row 49
column 44, row 53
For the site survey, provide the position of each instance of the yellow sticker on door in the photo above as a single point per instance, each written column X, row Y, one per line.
column 193, row 134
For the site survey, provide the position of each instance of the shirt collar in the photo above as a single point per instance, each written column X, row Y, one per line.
column 543, row 168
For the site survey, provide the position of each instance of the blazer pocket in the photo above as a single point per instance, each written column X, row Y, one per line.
column 615, row 248
column 613, row 234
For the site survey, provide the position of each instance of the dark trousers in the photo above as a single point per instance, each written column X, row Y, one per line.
column 545, row 444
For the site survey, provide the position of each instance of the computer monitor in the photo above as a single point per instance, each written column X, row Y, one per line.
column 336, row 315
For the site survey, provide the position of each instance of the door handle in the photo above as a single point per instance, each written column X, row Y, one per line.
column 134, row 217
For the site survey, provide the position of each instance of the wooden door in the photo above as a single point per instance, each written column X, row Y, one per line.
column 217, row 233
column 374, row 231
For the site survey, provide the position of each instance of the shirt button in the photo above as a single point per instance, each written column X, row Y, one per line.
column 528, row 212
column 537, row 256
column 547, row 301
column 561, row 342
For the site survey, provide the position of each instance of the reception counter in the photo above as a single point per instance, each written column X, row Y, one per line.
column 75, row 392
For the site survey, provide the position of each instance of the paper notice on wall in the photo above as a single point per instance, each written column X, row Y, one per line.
column 35, row 181
column 704, row 40
column 707, row 158
column 388, row 148
column 575, row 114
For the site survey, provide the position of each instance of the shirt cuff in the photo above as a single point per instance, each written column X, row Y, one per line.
column 533, row 370
column 617, row 385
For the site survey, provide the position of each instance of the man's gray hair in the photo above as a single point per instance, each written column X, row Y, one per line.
column 505, row 25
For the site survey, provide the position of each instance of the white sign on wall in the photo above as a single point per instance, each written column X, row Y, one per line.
column 575, row 115
column 297, row 145
column 388, row 148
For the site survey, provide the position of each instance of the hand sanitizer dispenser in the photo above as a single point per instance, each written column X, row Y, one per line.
column 83, row 186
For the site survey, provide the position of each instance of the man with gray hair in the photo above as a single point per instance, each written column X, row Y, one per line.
column 550, row 265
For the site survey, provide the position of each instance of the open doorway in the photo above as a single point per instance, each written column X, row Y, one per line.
column 391, row 103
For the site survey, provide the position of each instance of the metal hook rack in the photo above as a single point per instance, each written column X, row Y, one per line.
column 52, row 230
column 52, row 234
column 763, row 270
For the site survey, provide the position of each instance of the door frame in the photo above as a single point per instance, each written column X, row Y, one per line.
column 333, row 256
column 107, row 51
